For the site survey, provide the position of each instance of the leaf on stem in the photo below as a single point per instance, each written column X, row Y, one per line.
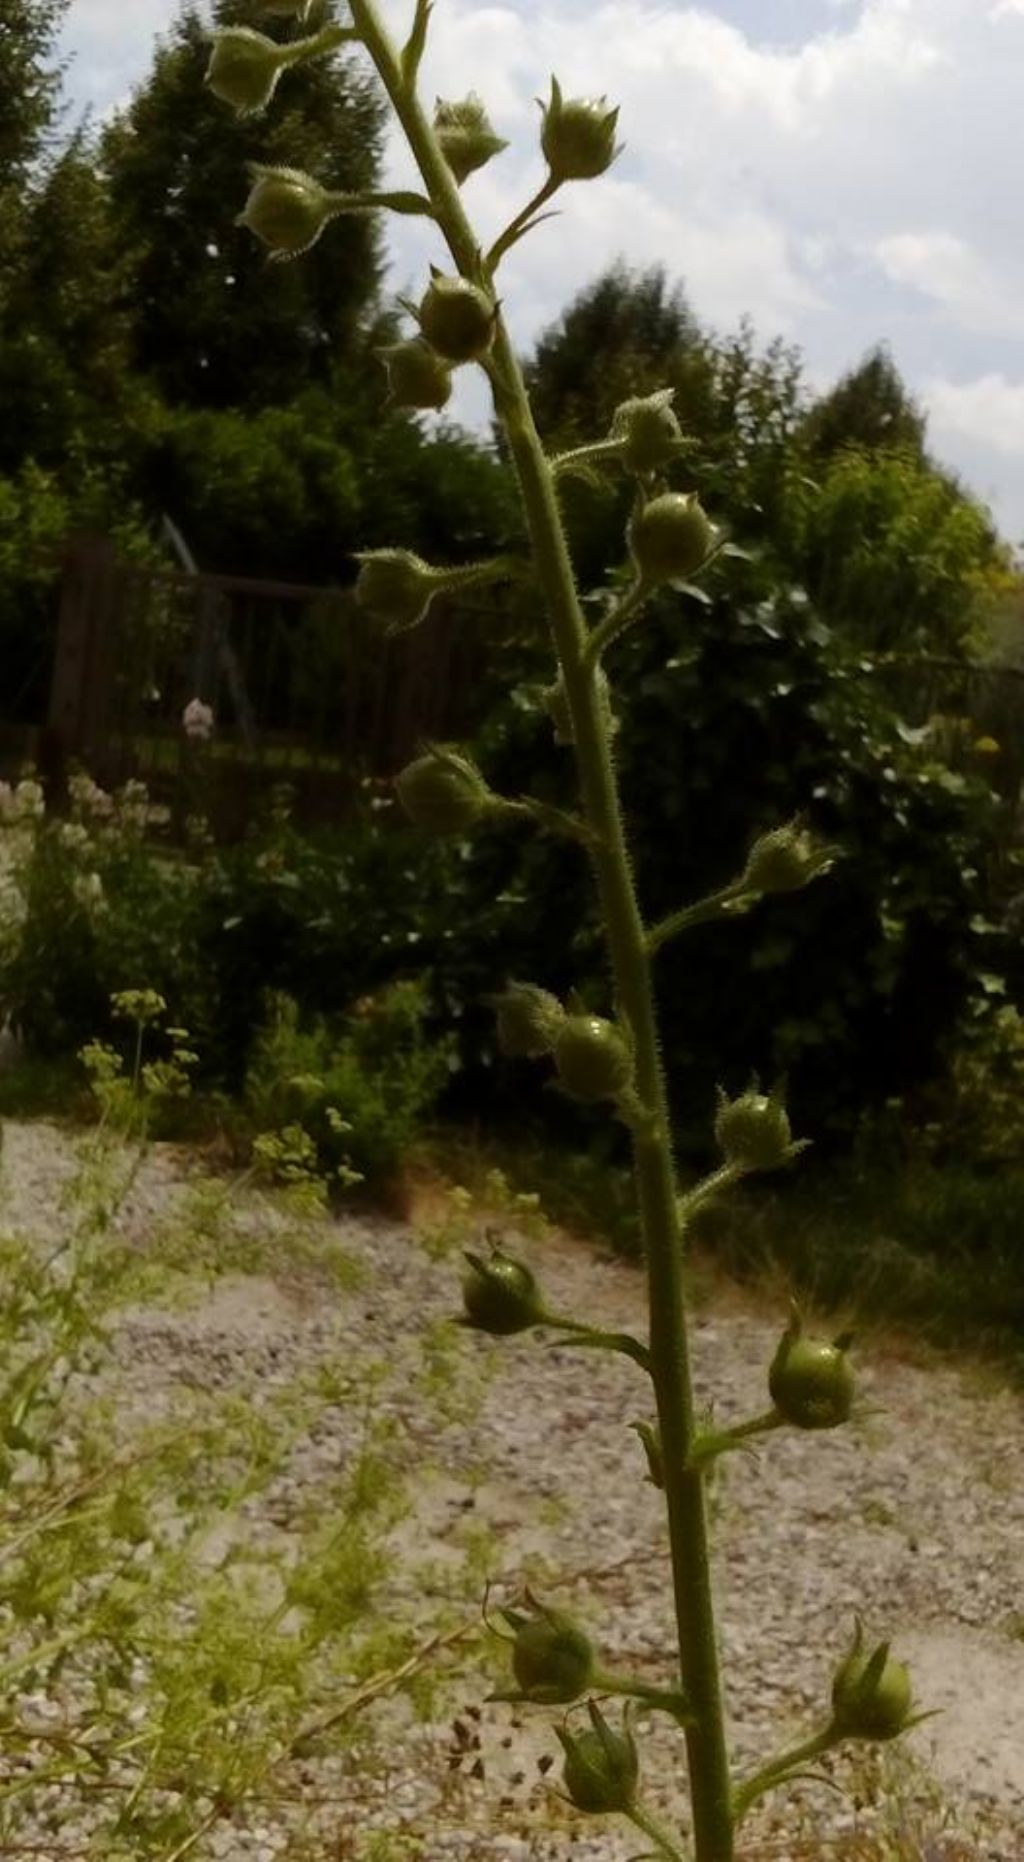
column 406, row 202
column 412, row 51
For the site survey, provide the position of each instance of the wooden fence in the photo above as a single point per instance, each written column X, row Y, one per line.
column 304, row 688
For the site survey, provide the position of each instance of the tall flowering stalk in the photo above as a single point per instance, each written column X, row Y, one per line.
column 612, row 1059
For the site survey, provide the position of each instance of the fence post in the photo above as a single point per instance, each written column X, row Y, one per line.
column 88, row 564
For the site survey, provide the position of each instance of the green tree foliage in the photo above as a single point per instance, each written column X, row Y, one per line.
column 65, row 384
column 214, row 324
column 869, row 408
column 733, row 718
column 622, row 335
column 894, row 552
column 290, row 492
column 627, row 335
column 30, row 82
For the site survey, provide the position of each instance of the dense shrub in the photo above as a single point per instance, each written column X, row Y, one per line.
column 88, row 908
column 740, row 714
column 358, row 1086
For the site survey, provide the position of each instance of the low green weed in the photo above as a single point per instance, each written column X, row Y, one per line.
column 346, row 1096
column 169, row 1647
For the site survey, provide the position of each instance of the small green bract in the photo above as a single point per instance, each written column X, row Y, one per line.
column 552, row 1658
column 671, row 537
column 500, row 1295
column 810, row 1382
column 592, row 1059
column 872, row 1696
column 457, row 319
column 443, row 793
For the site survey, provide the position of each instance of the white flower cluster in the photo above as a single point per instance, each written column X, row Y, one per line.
column 197, row 720
column 88, row 801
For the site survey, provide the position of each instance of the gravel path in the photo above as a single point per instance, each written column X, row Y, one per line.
column 912, row 1517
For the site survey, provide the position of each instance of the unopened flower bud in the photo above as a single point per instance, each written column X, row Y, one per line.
column 648, row 430
column 528, row 1021
column 601, row 1769
column 871, row 1694
column 753, row 1131
column 786, row 859
column 417, row 377
column 500, row 1295
column 287, row 209
column 670, row 537
column 466, row 137
column 810, row 1382
column 457, row 318
column 244, row 68
column 578, row 136
column 552, row 1659
column 592, row 1059
column 443, row 792
column 396, row 586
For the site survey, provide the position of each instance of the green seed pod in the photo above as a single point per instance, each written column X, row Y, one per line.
column 786, row 859
column 552, row 1660
column 601, row 1769
column 443, row 793
column 396, row 586
column 457, row 318
column 871, row 1694
column 810, row 1382
column 649, row 432
column 592, row 1059
column 466, row 137
column 753, row 1131
column 528, row 1021
column 244, row 68
column 670, row 537
column 578, row 137
column 500, row 1295
column 286, row 209
column 417, row 377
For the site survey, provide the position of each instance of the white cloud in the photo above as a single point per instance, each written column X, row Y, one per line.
column 966, row 288
column 859, row 186
column 988, row 411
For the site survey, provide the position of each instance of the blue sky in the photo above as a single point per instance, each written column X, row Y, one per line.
column 842, row 171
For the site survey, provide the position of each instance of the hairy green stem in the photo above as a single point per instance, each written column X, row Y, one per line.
column 714, row 1442
column 730, row 902
column 710, row 1790
column 515, row 228
column 707, row 1189
column 659, row 1699
column 779, row 1769
column 620, row 616
column 642, row 1819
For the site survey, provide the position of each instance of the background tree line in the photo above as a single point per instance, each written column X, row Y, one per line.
column 151, row 361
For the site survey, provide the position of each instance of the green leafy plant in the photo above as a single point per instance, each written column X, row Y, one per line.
column 89, row 907
column 347, row 1097
column 605, row 1055
column 172, row 1651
